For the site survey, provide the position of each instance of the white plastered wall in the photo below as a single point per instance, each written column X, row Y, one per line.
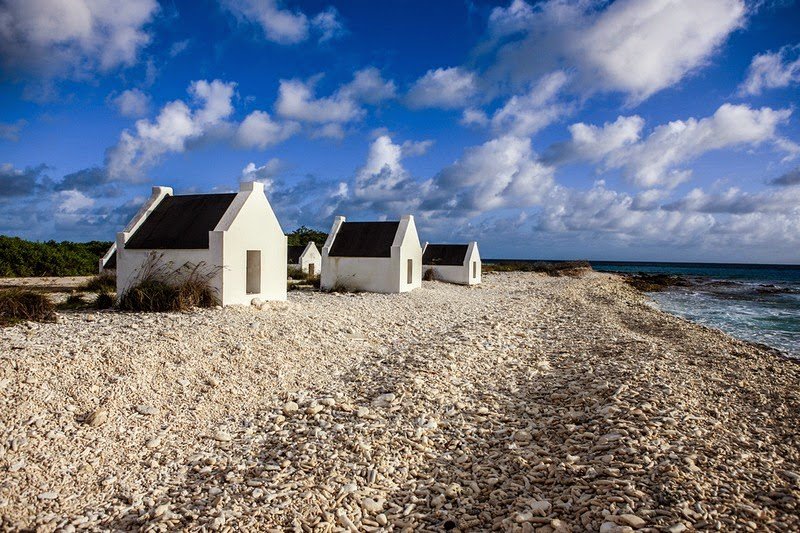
column 375, row 274
column 310, row 256
column 406, row 246
column 250, row 224
column 461, row 274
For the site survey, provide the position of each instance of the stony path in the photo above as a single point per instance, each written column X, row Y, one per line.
column 529, row 403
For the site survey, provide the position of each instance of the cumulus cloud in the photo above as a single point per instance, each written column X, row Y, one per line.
column 526, row 114
column 9, row 131
column 329, row 24
column 297, row 101
column 772, row 70
column 593, row 143
column 72, row 37
column 176, row 125
column 132, row 103
column 734, row 200
column 637, row 47
column 446, row 88
column 259, row 130
column 500, row 173
column 474, row 117
column 383, row 182
column 284, row 26
column 654, row 161
column 265, row 174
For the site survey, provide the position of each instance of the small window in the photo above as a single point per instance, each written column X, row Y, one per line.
column 474, row 269
column 253, row 271
column 410, row 271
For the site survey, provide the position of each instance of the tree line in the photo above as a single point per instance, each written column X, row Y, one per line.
column 21, row 258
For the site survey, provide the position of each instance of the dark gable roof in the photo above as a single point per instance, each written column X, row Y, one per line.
column 294, row 253
column 364, row 239
column 445, row 254
column 181, row 222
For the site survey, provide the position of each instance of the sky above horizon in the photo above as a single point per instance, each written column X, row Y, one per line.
column 662, row 130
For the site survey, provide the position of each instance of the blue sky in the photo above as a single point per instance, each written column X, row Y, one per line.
column 626, row 130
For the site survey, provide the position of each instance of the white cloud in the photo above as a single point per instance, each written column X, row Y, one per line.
column 181, row 125
column 500, row 173
column 132, row 103
column 414, row 148
column 265, row 174
column 593, row 143
column 284, row 26
column 329, row 24
column 734, row 200
column 259, row 130
column 72, row 37
column 74, row 202
column 369, row 87
column 176, row 125
column 526, row 114
column 297, row 101
column 637, row 47
column 654, row 160
column 446, row 88
column 383, row 185
column 474, row 117
column 772, row 70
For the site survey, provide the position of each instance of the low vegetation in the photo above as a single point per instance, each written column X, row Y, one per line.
column 104, row 301
column 104, row 282
column 161, row 288
column 551, row 268
column 21, row 258
column 301, row 280
column 18, row 305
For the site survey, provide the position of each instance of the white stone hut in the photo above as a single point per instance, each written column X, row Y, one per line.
column 453, row 263
column 235, row 238
column 306, row 258
column 372, row 256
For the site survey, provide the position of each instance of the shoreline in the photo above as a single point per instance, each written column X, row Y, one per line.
column 526, row 402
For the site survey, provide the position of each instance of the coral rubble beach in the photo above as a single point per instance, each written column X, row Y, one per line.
column 529, row 403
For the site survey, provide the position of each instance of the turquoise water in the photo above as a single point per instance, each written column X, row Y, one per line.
column 759, row 303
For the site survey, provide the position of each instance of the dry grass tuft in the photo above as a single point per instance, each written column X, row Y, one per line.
column 160, row 288
column 106, row 281
column 18, row 305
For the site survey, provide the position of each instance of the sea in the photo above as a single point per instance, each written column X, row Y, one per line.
column 759, row 303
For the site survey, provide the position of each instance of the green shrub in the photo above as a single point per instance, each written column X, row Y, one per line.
column 106, row 281
column 551, row 268
column 303, row 235
column 17, row 305
column 429, row 275
column 20, row 258
column 104, row 301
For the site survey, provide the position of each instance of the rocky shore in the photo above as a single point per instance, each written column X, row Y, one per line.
column 529, row 403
